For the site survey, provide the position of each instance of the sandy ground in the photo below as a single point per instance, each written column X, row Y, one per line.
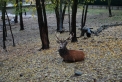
column 24, row 63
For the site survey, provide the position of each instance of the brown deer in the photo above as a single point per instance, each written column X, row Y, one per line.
column 69, row 55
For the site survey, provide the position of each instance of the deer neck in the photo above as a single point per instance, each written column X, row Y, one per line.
column 63, row 51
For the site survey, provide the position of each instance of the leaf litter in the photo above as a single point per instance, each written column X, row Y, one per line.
column 24, row 63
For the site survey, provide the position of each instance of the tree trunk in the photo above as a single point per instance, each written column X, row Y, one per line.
column 45, row 20
column 3, row 18
column 109, row 8
column 83, row 20
column 61, row 27
column 110, row 14
column 56, row 12
column 10, row 28
column 21, row 18
column 16, row 15
column 63, row 14
column 69, row 16
column 85, row 15
column 57, row 17
column 42, row 29
column 5, row 27
column 74, row 11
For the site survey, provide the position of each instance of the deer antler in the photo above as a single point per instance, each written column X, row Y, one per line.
column 70, row 36
column 57, row 36
column 62, row 39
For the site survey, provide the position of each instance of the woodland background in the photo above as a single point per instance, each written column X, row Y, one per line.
column 24, row 63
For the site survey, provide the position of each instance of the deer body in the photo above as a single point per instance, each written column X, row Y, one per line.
column 69, row 55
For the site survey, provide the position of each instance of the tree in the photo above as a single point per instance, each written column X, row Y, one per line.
column 45, row 19
column 16, row 15
column 4, row 12
column 61, row 22
column 59, row 14
column 63, row 13
column 4, row 25
column 69, row 15
column 10, row 28
column 108, row 2
column 41, row 22
column 56, row 12
column 84, row 15
column 109, row 8
column 20, row 14
column 73, row 23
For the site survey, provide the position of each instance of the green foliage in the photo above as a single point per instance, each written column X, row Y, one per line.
column 55, row 3
column 50, row 7
column 87, row 1
column 7, row 1
column 90, row 1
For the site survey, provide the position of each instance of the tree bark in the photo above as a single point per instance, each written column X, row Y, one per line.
column 42, row 29
column 61, row 26
column 3, row 18
column 10, row 29
column 63, row 14
column 16, row 15
column 85, row 15
column 45, row 20
column 21, row 18
column 57, row 16
column 109, row 8
column 69, row 15
column 110, row 14
column 83, row 20
column 74, row 11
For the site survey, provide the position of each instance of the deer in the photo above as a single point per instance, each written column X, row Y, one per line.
column 69, row 55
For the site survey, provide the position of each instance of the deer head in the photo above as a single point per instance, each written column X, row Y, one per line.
column 63, row 42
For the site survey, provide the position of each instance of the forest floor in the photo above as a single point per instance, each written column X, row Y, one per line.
column 103, row 63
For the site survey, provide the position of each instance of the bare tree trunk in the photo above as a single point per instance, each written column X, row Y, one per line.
column 109, row 8
column 45, row 20
column 61, row 27
column 10, row 29
column 57, row 17
column 16, row 15
column 3, row 18
column 85, row 15
column 74, row 11
column 69, row 16
column 42, row 29
column 83, row 20
column 5, row 27
column 63, row 14
column 110, row 14
column 21, row 18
